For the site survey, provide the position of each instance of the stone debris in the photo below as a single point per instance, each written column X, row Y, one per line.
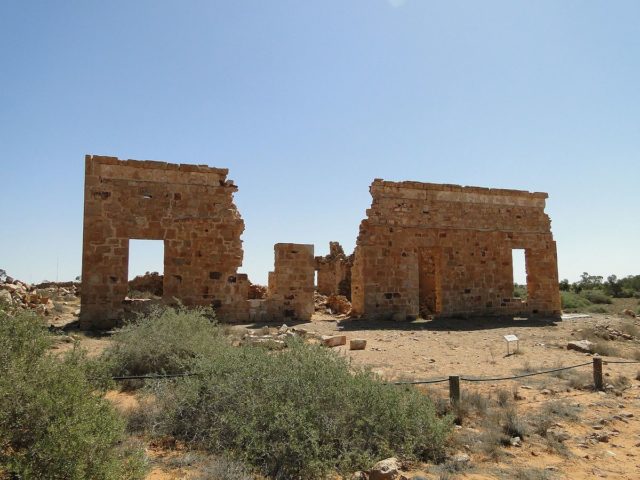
column 558, row 434
column 276, row 338
column 334, row 340
column 606, row 331
column 334, row 272
column 257, row 292
column 339, row 304
column 461, row 458
column 150, row 282
column 388, row 469
column 38, row 298
column 583, row 346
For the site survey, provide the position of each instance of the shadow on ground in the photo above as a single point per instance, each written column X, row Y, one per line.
column 448, row 324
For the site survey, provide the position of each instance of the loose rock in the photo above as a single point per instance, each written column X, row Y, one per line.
column 388, row 469
column 334, row 340
column 584, row 346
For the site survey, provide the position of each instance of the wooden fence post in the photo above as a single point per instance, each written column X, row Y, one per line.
column 597, row 373
column 454, row 388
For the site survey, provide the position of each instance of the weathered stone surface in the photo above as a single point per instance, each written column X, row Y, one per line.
column 461, row 458
column 558, row 434
column 584, row 346
column 189, row 207
column 334, row 272
column 291, row 284
column 388, row 469
column 447, row 250
column 5, row 297
column 334, row 340
column 357, row 344
column 339, row 304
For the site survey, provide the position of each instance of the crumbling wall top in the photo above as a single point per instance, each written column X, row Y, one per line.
column 154, row 171
column 450, row 192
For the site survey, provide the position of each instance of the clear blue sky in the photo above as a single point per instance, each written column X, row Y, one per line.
column 307, row 101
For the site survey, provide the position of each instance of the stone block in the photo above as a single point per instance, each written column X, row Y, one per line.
column 357, row 344
column 334, row 340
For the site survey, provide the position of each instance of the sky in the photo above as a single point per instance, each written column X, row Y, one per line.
column 306, row 102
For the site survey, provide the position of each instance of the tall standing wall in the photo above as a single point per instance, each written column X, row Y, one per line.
column 189, row 207
column 447, row 250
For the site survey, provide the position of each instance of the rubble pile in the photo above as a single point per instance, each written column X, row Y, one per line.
column 257, row 292
column 332, row 304
column 610, row 333
column 151, row 282
column 275, row 338
column 39, row 298
column 339, row 304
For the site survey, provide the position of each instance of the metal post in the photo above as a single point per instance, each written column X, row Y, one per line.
column 597, row 373
column 454, row 388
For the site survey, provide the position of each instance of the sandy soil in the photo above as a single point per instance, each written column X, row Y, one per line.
column 476, row 347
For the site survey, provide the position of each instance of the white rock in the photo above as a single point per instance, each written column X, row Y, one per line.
column 5, row 297
column 584, row 346
column 388, row 469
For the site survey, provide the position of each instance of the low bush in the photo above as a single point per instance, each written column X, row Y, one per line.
column 573, row 301
column 596, row 296
column 52, row 424
column 299, row 413
column 163, row 341
column 605, row 349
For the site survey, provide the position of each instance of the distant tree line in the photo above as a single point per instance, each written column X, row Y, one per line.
column 613, row 286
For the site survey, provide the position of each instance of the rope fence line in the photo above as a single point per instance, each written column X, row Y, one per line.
column 408, row 382
column 598, row 380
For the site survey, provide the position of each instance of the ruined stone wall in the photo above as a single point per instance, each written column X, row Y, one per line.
column 447, row 250
column 189, row 207
column 291, row 284
column 334, row 272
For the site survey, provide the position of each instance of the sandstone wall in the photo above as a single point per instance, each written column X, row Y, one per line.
column 334, row 272
column 291, row 284
column 189, row 207
column 447, row 250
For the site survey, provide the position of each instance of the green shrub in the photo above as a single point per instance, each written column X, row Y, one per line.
column 596, row 296
column 299, row 413
column 519, row 291
column 52, row 424
column 573, row 301
column 162, row 341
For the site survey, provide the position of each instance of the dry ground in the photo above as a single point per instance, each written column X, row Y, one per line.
column 475, row 347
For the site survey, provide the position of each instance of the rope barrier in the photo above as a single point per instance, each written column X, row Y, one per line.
column 410, row 382
column 493, row 379
column 419, row 382
column 543, row 372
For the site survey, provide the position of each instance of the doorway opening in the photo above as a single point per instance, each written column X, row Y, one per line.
column 146, row 269
column 430, row 281
column 519, row 273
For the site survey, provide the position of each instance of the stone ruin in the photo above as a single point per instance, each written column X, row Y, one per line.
column 190, row 208
column 447, row 250
column 423, row 249
column 334, row 272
